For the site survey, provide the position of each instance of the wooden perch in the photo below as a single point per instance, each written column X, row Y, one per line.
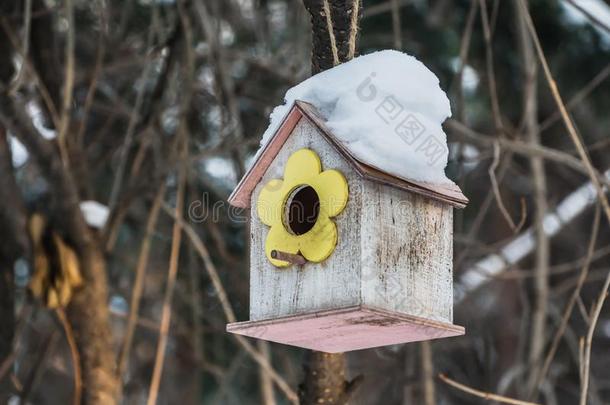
column 288, row 257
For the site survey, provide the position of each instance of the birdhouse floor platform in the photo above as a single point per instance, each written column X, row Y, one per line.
column 346, row 329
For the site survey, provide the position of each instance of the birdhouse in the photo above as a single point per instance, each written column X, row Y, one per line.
column 343, row 255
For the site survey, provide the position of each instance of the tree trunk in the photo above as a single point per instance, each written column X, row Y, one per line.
column 325, row 380
column 342, row 43
column 89, row 317
column 88, row 311
column 334, row 40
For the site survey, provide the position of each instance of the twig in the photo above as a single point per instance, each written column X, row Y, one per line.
column 482, row 212
column 288, row 257
column 581, row 356
column 196, row 301
column 496, row 188
column 542, row 255
column 78, row 380
column 138, row 284
column 595, row 275
column 376, row 9
column 331, row 32
column 578, row 263
column 171, row 283
column 225, row 80
column 493, row 18
column 45, row 350
column 66, row 107
column 564, row 113
column 482, row 394
column 570, row 305
column 491, row 75
column 578, row 97
column 586, row 353
column 149, row 324
column 131, row 126
column 99, row 59
column 468, row 135
column 353, row 30
column 583, row 310
column 463, row 58
column 27, row 23
column 209, row 265
column 6, row 364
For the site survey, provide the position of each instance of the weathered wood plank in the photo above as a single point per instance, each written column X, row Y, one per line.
column 407, row 252
column 314, row 286
column 346, row 329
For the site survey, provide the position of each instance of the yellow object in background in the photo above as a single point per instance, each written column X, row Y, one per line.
column 299, row 208
column 56, row 266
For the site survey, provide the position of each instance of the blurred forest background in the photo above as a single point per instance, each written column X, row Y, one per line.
column 124, row 125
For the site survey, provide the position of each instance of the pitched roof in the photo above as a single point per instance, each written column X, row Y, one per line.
column 448, row 193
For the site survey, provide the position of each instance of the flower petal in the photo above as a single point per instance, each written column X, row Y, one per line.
column 279, row 239
column 317, row 244
column 302, row 166
column 332, row 190
column 270, row 202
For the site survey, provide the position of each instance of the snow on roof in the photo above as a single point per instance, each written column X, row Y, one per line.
column 448, row 193
column 386, row 108
column 382, row 111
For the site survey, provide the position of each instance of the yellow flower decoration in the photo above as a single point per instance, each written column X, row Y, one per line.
column 299, row 209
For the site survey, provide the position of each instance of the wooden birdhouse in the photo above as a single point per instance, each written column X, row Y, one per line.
column 343, row 255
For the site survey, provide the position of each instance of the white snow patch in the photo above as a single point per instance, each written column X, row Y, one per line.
column 485, row 269
column 222, row 169
column 573, row 204
column 597, row 8
column 18, row 152
column 386, row 107
column 35, row 113
column 466, row 153
column 519, row 247
column 551, row 224
column 470, row 79
column 118, row 305
column 96, row 214
column 227, row 36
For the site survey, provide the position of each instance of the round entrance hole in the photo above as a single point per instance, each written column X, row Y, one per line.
column 302, row 209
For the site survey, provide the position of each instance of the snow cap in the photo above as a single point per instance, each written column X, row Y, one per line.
column 386, row 108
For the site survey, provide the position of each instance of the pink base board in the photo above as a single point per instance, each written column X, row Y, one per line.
column 346, row 329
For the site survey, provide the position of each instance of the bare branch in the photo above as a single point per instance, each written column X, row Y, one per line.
column 586, row 353
column 482, row 394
